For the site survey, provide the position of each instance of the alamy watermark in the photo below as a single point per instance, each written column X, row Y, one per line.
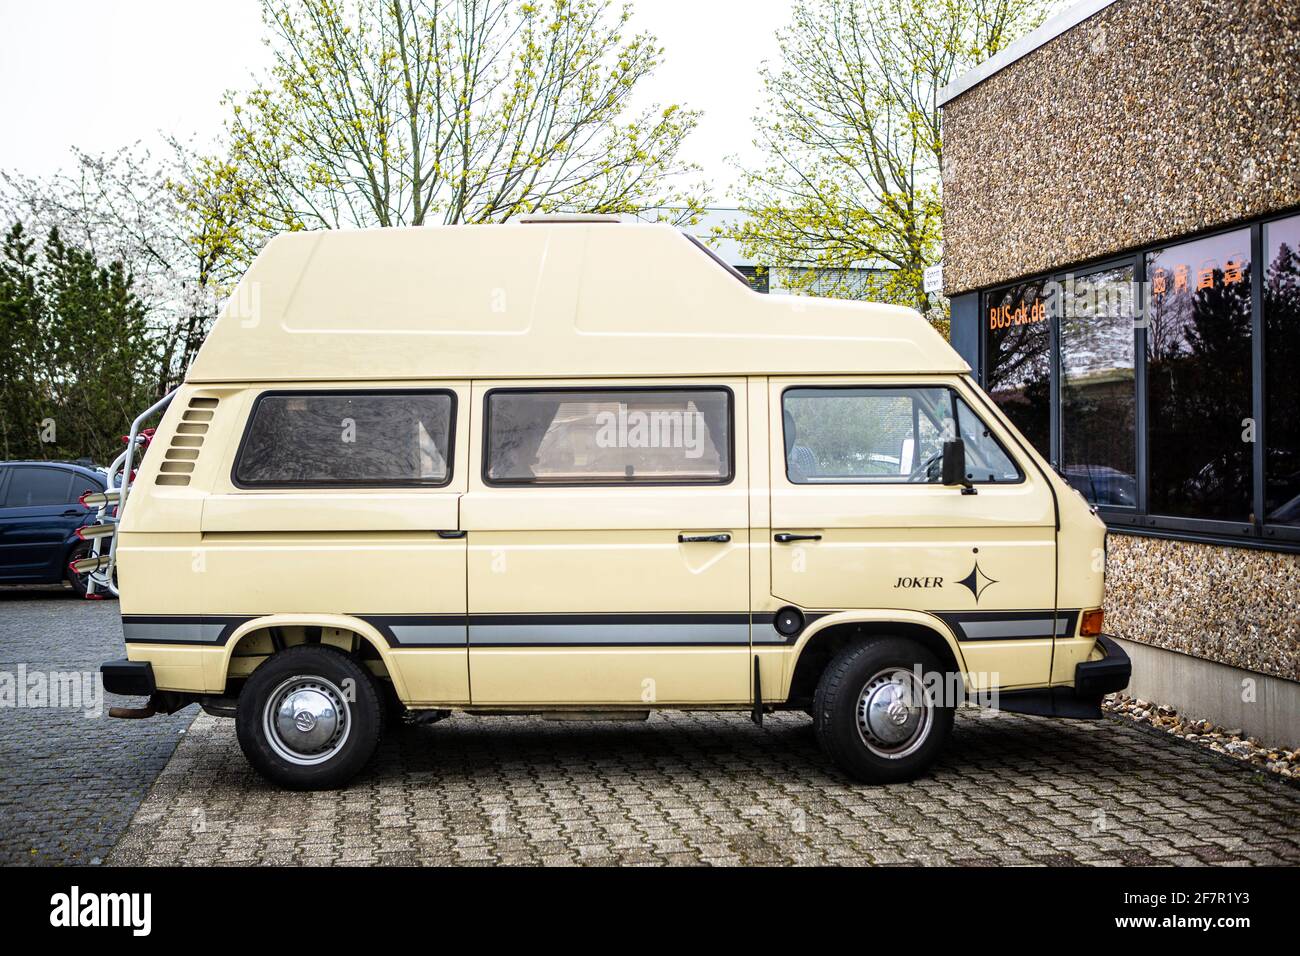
column 661, row 428
column 64, row 690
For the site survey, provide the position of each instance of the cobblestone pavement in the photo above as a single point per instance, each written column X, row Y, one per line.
column 70, row 783
column 706, row 788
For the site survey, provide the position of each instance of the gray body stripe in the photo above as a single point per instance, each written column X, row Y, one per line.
column 173, row 633
column 995, row 629
column 542, row 635
column 429, row 635
column 770, row 635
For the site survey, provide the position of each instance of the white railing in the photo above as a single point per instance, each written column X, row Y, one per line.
column 102, row 577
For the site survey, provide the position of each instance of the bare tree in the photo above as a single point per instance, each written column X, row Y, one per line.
column 407, row 112
column 852, row 142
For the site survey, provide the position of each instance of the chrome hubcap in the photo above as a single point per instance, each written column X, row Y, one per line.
column 894, row 713
column 306, row 720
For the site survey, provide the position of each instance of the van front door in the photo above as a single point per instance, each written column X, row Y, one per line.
column 608, row 545
column 861, row 520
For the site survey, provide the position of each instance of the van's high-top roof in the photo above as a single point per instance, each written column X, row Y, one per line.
column 538, row 299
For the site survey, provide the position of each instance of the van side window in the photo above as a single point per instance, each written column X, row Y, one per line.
column 608, row 436
column 347, row 438
column 884, row 435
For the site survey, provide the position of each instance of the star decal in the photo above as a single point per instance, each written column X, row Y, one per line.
column 977, row 581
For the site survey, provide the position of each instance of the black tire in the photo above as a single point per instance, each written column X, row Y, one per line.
column 844, row 686
column 314, row 677
column 78, row 581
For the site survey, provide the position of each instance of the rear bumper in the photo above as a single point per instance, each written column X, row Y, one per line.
column 128, row 678
column 1093, row 680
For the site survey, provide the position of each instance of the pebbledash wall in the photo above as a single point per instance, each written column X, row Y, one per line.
column 1122, row 255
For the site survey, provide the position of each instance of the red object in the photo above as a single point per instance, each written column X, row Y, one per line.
column 94, row 597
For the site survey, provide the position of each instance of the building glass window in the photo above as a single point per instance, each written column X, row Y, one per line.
column 1281, row 382
column 1098, row 388
column 758, row 277
column 1018, row 359
column 1199, row 379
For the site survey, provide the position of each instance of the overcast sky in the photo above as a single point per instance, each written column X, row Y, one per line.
column 100, row 75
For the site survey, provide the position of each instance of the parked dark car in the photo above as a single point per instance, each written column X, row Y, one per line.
column 1102, row 485
column 40, row 513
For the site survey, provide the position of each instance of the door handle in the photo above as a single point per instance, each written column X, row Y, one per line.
column 452, row 534
column 715, row 538
column 785, row 537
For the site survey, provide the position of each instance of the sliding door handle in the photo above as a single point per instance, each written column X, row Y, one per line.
column 715, row 538
column 785, row 537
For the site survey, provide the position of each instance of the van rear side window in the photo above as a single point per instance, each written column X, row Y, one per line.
column 609, row 436
column 374, row 438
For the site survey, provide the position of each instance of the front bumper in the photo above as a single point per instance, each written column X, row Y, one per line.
column 128, row 678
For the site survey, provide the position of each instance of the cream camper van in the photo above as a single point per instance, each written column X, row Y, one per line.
column 580, row 468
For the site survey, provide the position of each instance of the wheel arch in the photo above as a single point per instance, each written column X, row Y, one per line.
column 361, row 629
column 824, row 638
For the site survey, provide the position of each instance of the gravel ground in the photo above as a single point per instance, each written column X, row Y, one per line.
column 1283, row 761
column 70, row 783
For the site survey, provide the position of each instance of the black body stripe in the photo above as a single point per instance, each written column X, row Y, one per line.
column 440, row 630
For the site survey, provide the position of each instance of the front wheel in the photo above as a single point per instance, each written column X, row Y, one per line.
column 874, row 714
column 309, row 718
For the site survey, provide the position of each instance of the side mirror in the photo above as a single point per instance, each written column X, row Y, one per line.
column 954, row 466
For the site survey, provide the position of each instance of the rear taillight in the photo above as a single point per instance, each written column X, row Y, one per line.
column 1091, row 624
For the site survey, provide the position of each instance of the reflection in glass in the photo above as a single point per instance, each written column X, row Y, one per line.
column 1199, row 379
column 1098, row 397
column 1281, row 372
column 328, row 438
column 883, row 435
column 609, row 435
column 1018, row 375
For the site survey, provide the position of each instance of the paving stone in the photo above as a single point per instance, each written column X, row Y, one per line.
column 69, row 784
column 695, row 788
column 680, row 789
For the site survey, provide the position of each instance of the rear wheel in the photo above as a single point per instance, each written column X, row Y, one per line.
column 874, row 715
column 309, row 718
